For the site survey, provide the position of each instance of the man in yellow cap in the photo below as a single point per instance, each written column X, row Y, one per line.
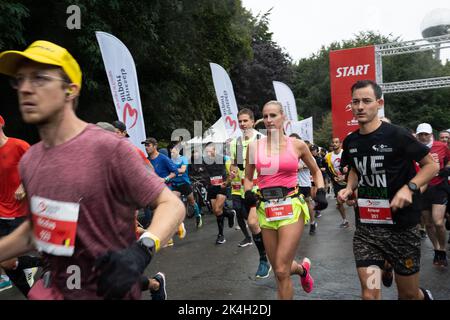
column 82, row 201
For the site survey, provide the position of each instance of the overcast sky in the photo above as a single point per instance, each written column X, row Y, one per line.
column 302, row 27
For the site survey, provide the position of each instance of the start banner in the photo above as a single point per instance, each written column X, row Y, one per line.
column 346, row 67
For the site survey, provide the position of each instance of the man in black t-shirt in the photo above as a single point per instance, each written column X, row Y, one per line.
column 380, row 157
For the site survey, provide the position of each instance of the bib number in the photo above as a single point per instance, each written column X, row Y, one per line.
column 236, row 185
column 279, row 209
column 375, row 211
column 216, row 181
column 54, row 225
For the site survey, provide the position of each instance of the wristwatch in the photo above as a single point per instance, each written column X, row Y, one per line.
column 148, row 244
column 413, row 187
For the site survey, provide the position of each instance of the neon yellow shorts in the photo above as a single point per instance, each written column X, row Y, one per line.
column 299, row 205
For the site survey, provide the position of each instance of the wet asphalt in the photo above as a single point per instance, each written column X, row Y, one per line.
column 198, row 269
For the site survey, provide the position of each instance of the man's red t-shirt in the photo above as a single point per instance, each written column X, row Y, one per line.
column 441, row 154
column 10, row 154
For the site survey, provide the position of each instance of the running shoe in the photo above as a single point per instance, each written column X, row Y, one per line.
column 344, row 224
column 307, row 281
column 220, row 239
column 245, row 242
column 5, row 283
column 387, row 276
column 436, row 258
column 443, row 262
column 427, row 294
column 312, row 228
column 317, row 214
column 198, row 222
column 264, row 269
column 181, row 231
column 169, row 243
column 29, row 275
column 161, row 293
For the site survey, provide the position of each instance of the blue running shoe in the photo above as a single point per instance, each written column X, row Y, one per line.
column 264, row 269
column 5, row 283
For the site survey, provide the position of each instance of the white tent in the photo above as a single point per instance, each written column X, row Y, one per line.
column 217, row 134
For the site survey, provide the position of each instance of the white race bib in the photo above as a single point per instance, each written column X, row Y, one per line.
column 54, row 225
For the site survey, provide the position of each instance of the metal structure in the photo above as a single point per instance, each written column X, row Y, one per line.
column 413, row 46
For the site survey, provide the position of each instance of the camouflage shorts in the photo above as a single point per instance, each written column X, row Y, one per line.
column 373, row 245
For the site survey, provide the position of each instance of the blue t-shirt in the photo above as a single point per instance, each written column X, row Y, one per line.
column 163, row 165
column 184, row 177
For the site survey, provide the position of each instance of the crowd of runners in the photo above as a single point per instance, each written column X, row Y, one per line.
column 84, row 197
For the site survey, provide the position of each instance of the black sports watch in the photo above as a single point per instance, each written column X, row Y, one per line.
column 413, row 187
column 148, row 244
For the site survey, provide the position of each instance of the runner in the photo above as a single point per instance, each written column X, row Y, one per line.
column 305, row 185
column 282, row 211
column 380, row 156
column 238, row 148
column 166, row 170
column 338, row 176
column 181, row 184
column 434, row 199
column 71, row 174
column 13, row 211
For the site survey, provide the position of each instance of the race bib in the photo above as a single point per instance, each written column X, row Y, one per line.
column 54, row 225
column 279, row 209
column 216, row 181
column 375, row 211
column 236, row 185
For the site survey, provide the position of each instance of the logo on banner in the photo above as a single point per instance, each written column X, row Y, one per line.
column 129, row 111
column 351, row 71
column 231, row 122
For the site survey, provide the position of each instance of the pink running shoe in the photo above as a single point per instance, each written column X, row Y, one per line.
column 307, row 281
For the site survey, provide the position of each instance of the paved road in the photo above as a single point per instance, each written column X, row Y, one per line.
column 196, row 268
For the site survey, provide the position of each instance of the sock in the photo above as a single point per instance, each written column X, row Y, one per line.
column 257, row 238
column 220, row 223
column 197, row 212
column 241, row 223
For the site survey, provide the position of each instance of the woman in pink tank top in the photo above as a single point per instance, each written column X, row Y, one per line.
column 282, row 220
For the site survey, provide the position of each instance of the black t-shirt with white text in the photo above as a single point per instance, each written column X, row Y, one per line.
column 384, row 161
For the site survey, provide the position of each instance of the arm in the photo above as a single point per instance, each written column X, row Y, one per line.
column 168, row 214
column 17, row 243
column 309, row 161
column 249, row 167
column 428, row 170
column 182, row 169
column 352, row 185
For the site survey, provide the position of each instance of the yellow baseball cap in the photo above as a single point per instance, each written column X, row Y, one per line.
column 43, row 52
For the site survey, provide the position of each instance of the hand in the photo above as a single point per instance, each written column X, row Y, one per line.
column 120, row 270
column 340, row 178
column 20, row 193
column 321, row 199
column 402, row 198
column 344, row 195
column 250, row 200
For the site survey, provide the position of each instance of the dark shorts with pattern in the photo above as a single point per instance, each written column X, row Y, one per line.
column 372, row 245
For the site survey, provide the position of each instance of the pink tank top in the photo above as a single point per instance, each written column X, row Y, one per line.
column 278, row 170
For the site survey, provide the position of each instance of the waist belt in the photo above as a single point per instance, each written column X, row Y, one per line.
column 273, row 193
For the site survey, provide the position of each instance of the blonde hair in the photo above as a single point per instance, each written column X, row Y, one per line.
column 277, row 103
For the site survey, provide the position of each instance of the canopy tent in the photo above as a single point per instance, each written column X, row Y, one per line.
column 216, row 134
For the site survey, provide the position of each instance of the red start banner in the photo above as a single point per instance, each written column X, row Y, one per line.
column 347, row 67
